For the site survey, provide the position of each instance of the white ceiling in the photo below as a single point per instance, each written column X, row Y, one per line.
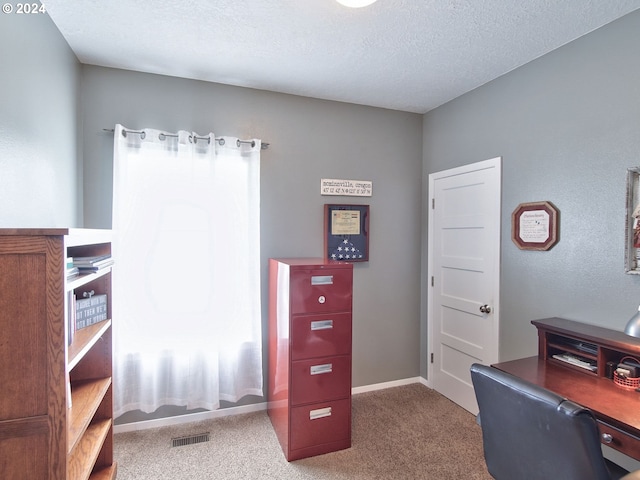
column 409, row 55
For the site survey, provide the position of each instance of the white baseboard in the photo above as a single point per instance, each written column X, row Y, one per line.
column 255, row 407
column 382, row 386
column 187, row 418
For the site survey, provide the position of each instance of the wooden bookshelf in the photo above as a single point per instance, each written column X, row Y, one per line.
column 56, row 406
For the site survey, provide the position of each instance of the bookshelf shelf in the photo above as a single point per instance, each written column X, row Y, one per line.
column 86, row 400
column 107, row 473
column 56, row 407
column 86, row 452
column 85, row 278
column 84, row 340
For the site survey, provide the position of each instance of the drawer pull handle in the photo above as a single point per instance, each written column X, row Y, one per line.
column 607, row 438
column 322, row 299
column 320, row 413
column 322, row 280
column 321, row 369
column 322, row 325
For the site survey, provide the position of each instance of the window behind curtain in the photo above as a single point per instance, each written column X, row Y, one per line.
column 186, row 300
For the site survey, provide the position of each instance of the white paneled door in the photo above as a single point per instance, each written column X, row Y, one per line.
column 463, row 275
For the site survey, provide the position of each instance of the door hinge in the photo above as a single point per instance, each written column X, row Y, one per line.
column 433, row 203
column 432, row 281
column 431, row 357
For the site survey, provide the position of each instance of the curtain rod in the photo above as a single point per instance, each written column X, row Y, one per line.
column 162, row 136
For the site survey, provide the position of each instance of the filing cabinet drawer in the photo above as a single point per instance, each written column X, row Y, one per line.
column 320, row 379
column 619, row 440
column 320, row 335
column 320, row 423
column 321, row 290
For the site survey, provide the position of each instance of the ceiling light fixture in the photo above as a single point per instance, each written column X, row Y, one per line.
column 356, row 3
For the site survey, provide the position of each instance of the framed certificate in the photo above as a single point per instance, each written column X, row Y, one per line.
column 534, row 226
column 632, row 223
column 346, row 233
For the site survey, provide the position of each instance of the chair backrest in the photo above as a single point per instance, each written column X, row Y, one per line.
column 530, row 433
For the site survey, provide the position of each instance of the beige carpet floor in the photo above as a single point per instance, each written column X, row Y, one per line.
column 405, row 433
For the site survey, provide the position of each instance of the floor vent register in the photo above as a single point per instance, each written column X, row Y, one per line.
column 190, row 439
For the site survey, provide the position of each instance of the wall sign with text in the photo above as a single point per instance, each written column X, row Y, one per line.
column 534, row 226
column 349, row 188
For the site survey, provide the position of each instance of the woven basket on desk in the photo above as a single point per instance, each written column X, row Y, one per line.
column 626, row 382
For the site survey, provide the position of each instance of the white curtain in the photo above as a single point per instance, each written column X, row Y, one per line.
column 186, row 280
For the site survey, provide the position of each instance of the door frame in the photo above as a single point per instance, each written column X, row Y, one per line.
column 495, row 163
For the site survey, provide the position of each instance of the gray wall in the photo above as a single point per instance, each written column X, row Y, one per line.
column 310, row 139
column 39, row 129
column 56, row 167
column 567, row 126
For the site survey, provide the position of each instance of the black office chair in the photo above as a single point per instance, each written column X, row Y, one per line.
column 530, row 433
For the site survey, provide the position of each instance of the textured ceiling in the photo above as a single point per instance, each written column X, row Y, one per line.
column 410, row 55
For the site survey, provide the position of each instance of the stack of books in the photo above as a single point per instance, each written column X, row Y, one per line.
column 71, row 270
column 92, row 264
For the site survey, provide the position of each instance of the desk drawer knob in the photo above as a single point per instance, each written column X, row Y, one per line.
column 607, row 438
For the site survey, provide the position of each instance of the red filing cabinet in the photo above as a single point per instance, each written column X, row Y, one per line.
column 309, row 390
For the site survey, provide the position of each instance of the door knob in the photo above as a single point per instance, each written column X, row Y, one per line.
column 485, row 309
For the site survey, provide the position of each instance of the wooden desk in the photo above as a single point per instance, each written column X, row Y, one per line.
column 616, row 409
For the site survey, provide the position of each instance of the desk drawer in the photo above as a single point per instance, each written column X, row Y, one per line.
column 619, row 440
